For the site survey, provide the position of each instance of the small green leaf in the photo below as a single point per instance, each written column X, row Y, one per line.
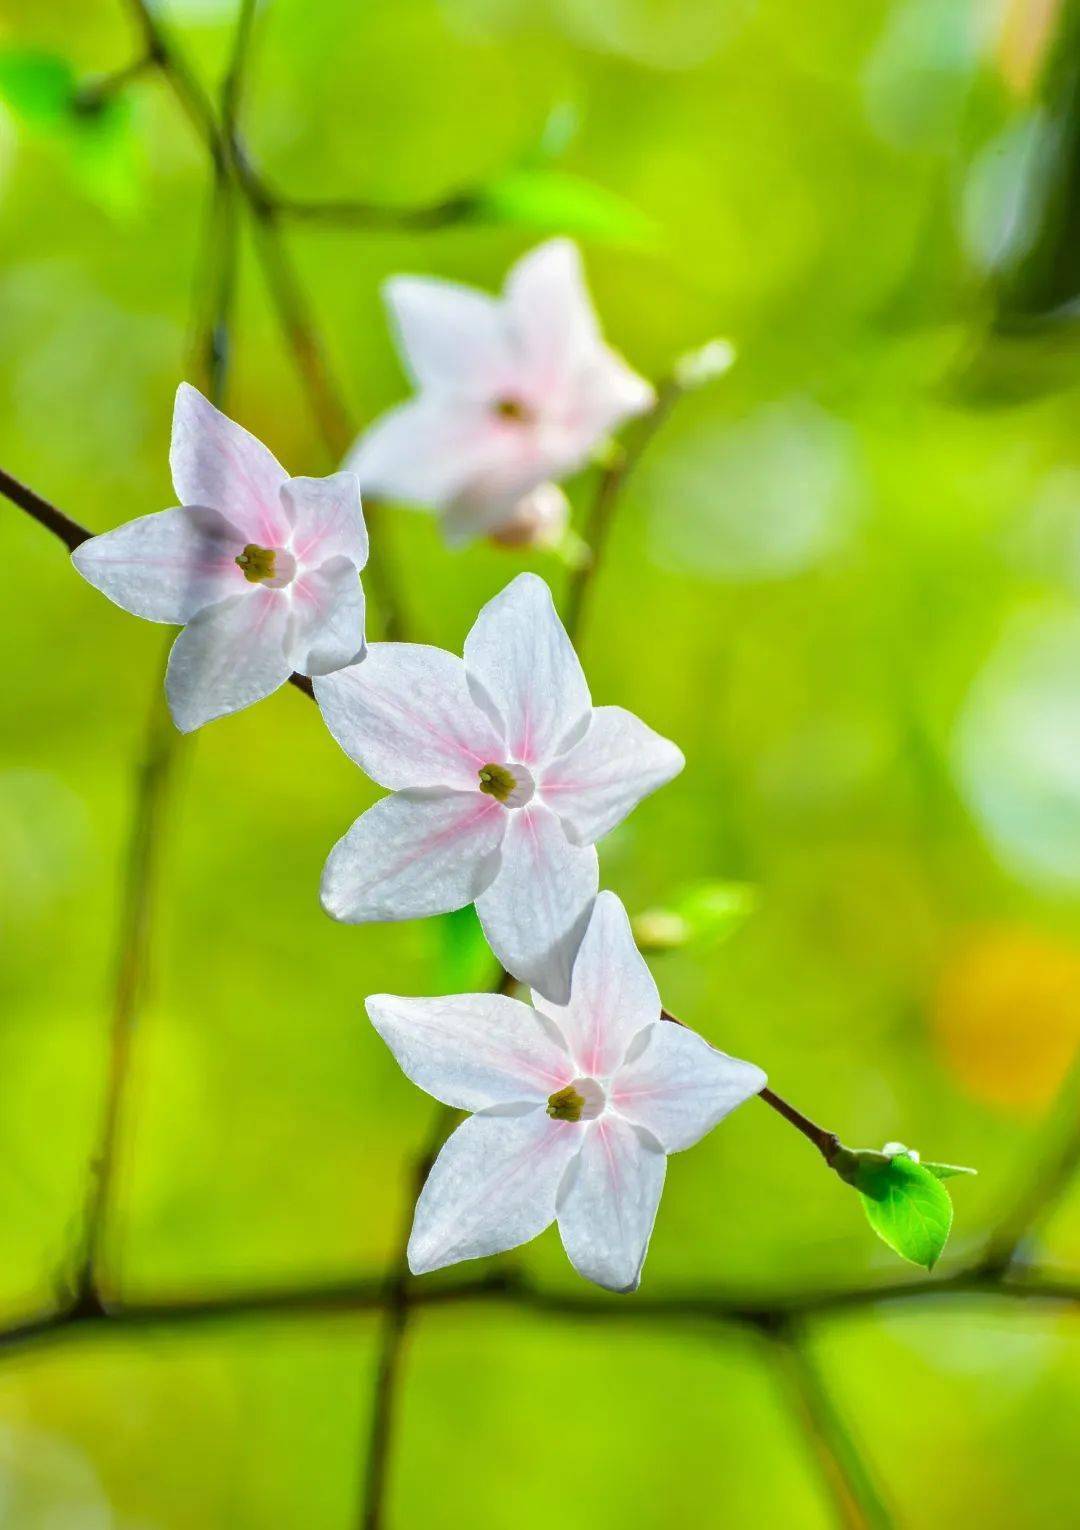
column 554, row 201
column 38, row 87
column 905, row 1204
column 706, row 912
column 947, row 1170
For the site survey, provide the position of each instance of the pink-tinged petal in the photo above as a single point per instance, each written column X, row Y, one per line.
column 218, row 463
column 604, row 393
column 406, row 717
column 492, row 1188
column 608, row 1201
column 327, row 519
column 434, row 451
column 605, row 775
column 452, row 338
column 326, row 630
column 535, row 911
column 521, row 658
column 472, row 1050
column 550, row 312
column 678, row 1087
column 414, row 854
column 227, row 657
column 612, row 994
column 537, row 519
column 165, row 567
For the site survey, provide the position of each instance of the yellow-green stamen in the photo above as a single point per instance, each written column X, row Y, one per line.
column 565, row 1104
column 258, row 563
column 512, row 409
column 496, row 781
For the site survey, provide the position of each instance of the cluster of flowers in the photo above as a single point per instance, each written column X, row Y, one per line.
column 502, row 775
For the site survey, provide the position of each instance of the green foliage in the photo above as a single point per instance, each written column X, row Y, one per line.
column 555, row 202
column 462, row 960
column 39, row 88
column 703, row 913
column 905, row 1203
column 89, row 129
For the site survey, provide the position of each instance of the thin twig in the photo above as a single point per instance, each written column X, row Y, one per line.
column 370, row 1293
column 399, row 1295
column 842, row 1462
column 133, row 943
column 61, row 525
column 1052, row 1176
column 608, row 491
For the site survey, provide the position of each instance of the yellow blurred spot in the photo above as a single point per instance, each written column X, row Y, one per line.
column 1026, row 32
column 1006, row 1016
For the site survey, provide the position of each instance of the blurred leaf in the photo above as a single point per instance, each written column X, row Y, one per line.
column 706, row 912
column 554, row 201
column 560, row 130
column 91, row 131
column 39, row 87
column 905, row 1205
column 463, row 961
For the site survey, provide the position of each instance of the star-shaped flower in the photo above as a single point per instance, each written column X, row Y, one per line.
column 504, row 776
column 512, row 392
column 576, row 1108
column 262, row 570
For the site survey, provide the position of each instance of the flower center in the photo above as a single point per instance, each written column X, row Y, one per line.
column 512, row 785
column 583, row 1100
column 267, row 565
column 513, row 409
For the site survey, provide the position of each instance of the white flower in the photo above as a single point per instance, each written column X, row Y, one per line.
column 512, row 392
column 260, row 568
column 576, row 1109
column 504, row 776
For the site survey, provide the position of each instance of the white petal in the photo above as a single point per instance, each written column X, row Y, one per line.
column 414, row 854
column 326, row 631
column 453, row 338
column 229, row 656
column 678, row 1087
column 550, row 310
column 327, row 518
column 613, row 996
column 519, row 654
column 604, row 393
column 607, row 1204
column 604, row 776
column 535, row 911
column 217, row 463
column 406, row 717
column 472, row 1050
column 493, row 1187
column 433, row 451
column 165, row 567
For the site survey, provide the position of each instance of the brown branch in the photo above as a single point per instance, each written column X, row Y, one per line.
column 70, row 532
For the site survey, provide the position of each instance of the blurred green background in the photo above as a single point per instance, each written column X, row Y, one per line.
column 846, row 579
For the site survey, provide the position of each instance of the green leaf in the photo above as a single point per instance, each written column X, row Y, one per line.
column 905, row 1204
column 554, row 201
column 38, row 87
column 947, row 1170
column 706, row 912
